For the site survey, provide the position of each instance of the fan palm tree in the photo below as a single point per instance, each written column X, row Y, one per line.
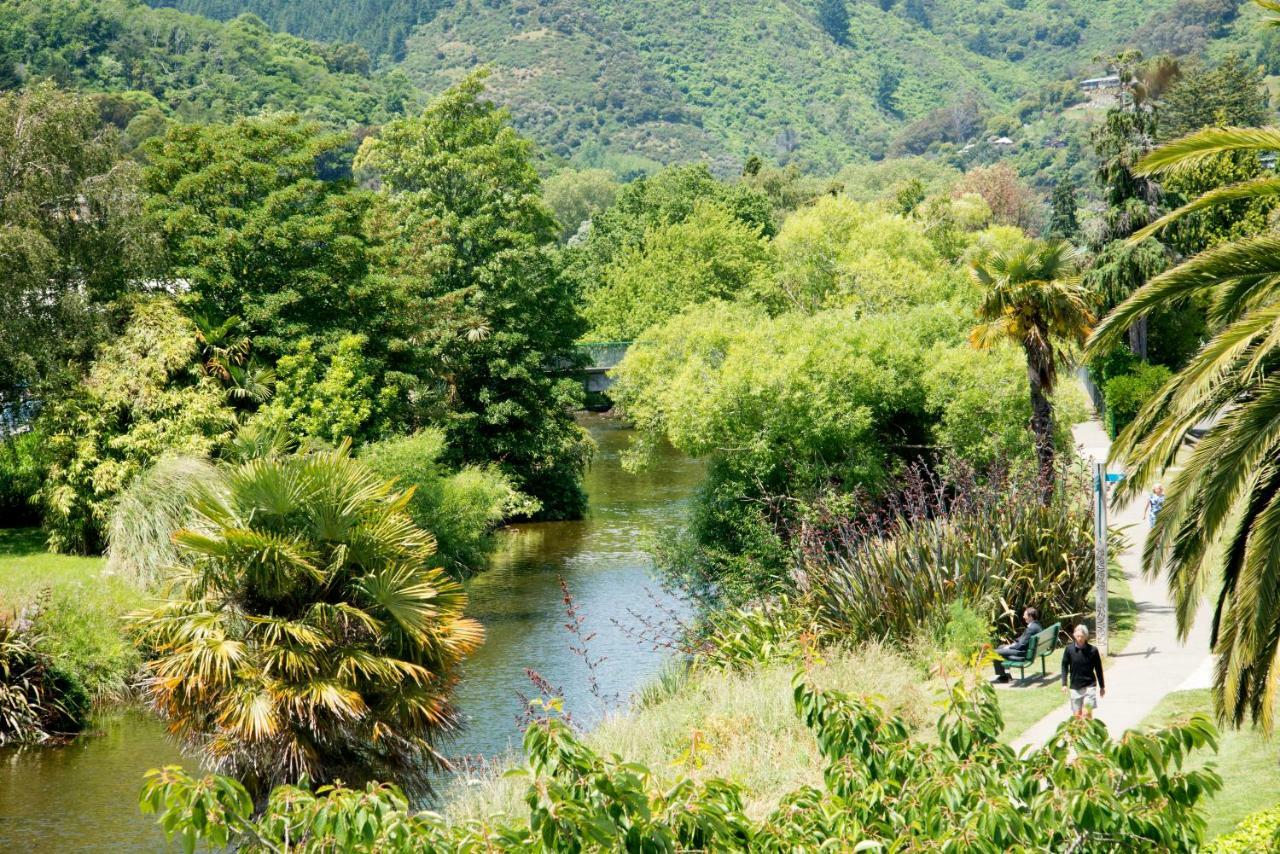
column 306, row 630
column 1222, row 515
column 1034, row 298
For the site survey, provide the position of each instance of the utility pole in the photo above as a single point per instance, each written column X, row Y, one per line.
column 1100, row 554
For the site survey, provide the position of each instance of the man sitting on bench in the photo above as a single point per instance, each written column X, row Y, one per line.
column 1017, row 649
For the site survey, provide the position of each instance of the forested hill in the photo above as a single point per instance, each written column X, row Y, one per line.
column 627, row 83
column 157, row 64
column 378, row 26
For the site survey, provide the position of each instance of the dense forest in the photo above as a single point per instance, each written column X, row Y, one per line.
column 155, row 64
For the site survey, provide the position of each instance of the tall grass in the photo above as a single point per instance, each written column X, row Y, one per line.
column 156, row 504
column 740, row 725
column 990, row 543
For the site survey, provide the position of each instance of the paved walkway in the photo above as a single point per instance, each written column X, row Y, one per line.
column 1154, row 663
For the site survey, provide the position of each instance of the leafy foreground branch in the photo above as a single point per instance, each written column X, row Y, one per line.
column 1081, row 792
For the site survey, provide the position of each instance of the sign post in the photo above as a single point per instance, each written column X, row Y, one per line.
column 1100, row 553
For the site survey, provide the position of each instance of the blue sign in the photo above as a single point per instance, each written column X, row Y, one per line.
column 1114, row 477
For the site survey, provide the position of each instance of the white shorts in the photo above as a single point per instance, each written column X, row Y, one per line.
column 1085, row 698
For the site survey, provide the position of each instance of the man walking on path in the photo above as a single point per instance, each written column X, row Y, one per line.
column 1082, row 662
column 1156, row 659
column 1017, row 649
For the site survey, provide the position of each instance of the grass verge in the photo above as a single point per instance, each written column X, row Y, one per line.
column 1246, row 759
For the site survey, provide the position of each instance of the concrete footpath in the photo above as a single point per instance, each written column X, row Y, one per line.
column 1155, row 662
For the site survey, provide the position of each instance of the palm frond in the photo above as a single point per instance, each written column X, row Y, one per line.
column 1196, row 149
column 1255, row 189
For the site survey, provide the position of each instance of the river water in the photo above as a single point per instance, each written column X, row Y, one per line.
column 83, row 797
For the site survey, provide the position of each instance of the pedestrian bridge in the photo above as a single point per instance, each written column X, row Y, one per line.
column 601, row 357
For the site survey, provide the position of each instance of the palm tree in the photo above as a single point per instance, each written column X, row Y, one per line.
column 1034, row 298
column 306, row 629
column 1222, row 515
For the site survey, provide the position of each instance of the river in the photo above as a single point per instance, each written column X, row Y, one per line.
column 83, row 797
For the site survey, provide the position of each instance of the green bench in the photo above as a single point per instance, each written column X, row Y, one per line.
column 1041, row 647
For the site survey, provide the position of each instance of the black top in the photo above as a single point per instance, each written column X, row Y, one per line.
column 1084, row 664
column 1024, row 640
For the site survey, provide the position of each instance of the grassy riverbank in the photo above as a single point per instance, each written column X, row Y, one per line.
column 741, row 726
column 80, row 609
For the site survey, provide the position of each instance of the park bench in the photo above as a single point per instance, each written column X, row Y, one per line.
column 1041, row 647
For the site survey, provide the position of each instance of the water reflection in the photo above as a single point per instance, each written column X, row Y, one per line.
column 604, row 562
column 84, row 796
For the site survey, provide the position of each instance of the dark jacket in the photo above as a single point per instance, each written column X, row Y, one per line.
column 1024, row 640
column 1083, row 664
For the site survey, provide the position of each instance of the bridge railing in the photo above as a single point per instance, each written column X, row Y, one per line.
column 603, row 355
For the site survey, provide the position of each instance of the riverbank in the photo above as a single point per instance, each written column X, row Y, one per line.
column 739, row 726
column 78, row 611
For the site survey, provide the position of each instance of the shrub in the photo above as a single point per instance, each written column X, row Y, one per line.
column 81, row 631
column 38, row 700
column 307, row 631
column 143, row 397
column 21, row 470
column 1080, row 792
column 1124, row 395
column 1257, row 833
column 965, row 631
column 991, row 544
column 459, row 508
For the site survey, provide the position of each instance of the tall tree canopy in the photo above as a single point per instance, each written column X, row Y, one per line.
column 70, row 236
column 253, row 230
column 463, row 230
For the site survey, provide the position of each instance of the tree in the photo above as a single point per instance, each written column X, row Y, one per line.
column 1034, row 299
column 1011, row 201
column 1230, row 93
column 576, row 196
column 70, row 235
column 1224, row 499
column 838, row 252
column 463, row 232
column 333, row 395
column 710, row 255
column 306, row 630
column 659, row 200
column 144, row 396
column 1063, row 224
column 887, row 90
column 253, row 230
column 833, row 15
column 1120, row 265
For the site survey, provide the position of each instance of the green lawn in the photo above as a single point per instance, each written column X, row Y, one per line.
column 1123, row 611
column 26, row 568
column 1248, row 761
column 1023, row 705
column 80, row 622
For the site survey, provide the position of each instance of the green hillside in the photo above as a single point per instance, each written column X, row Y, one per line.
column 161, row 63
column 378, row 26
column 627, row 83
column 630, row 84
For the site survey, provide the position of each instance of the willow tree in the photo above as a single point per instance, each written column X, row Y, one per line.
column 1034, row 298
